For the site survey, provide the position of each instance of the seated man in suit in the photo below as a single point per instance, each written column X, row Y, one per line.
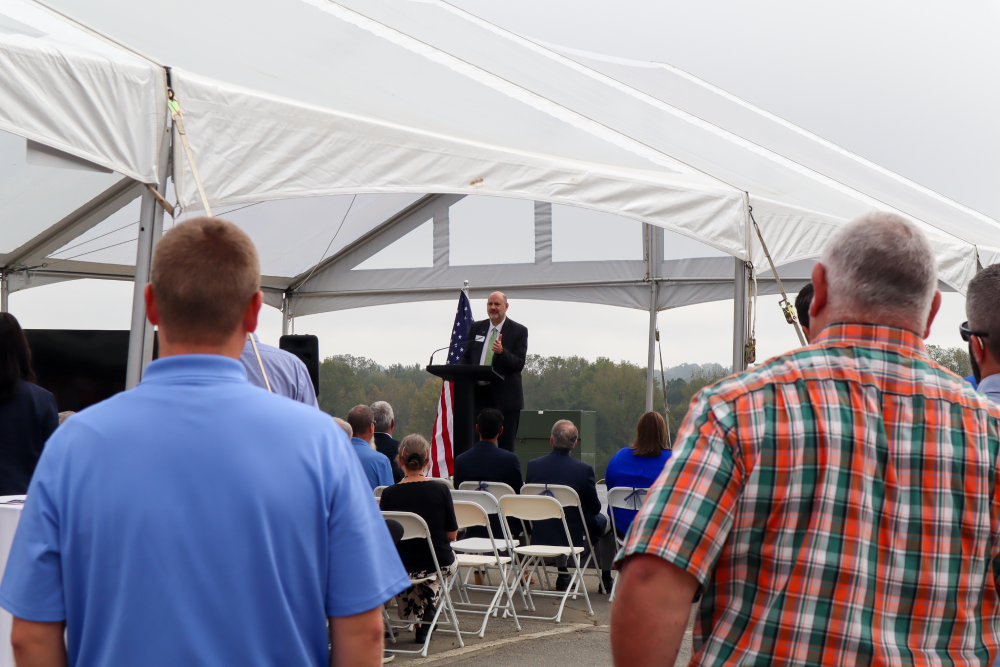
column 486, row 462
column 385, row 423
column 559, row 467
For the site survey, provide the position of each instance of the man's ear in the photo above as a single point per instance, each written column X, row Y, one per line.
column 820, row 290
column 500, row 432
column 935, row 307
column 152, row 311
column 978, row 349
column 477, row 428
column 252, row 312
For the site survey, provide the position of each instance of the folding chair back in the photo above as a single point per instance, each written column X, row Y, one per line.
column 497, row 489
column 485, row 500
column 379, row 490
column 532, row 508
column 470, row 514
column 627, row 497
column 414, row 526
column 566, row 495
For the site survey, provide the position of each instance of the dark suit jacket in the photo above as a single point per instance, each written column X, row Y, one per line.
column 507, row 393
column 386, row 444
column 560, row 468
column 485, row 462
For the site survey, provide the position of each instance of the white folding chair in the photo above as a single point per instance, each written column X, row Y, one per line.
column 379, row 490
column 415, row 528
column 443, row 480
column 567, row 497
column 469, row 515
column 541, row 508
column 504, row 542
column 624, row 498
column 497, row 489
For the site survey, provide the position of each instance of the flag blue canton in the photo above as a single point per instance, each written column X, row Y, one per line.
column 459, row 332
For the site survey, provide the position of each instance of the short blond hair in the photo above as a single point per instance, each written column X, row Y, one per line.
column 205, row 272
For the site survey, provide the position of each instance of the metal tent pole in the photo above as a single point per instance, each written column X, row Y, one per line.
column 739, row 315
column 654, row 245
column 286, row 317
column 4, row 293
column 140, row 341
column 652, row 348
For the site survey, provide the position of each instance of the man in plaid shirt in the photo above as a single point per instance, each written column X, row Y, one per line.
column 836, row 505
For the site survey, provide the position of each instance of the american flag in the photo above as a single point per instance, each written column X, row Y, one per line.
column 442, row 461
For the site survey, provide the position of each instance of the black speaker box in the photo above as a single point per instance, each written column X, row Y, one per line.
column 306, row 348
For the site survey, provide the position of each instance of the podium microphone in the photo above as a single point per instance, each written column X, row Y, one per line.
column 447, row 347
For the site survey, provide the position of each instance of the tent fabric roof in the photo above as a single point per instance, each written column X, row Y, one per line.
column 381, row 102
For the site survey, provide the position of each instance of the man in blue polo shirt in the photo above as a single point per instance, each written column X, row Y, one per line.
column 197, row 520
column 375, row 464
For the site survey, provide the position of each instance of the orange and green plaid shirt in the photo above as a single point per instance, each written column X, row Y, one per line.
column 838, row 506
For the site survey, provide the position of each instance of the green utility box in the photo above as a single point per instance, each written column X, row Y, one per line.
column 535, row 429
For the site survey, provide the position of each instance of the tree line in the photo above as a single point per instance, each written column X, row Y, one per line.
column 615, row 390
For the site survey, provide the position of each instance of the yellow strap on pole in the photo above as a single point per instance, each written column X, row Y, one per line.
column 786, row 305
column 178, row 118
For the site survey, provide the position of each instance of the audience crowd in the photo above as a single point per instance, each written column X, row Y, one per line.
column 834, row 505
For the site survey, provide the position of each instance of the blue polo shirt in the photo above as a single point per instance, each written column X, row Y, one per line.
column 375, row 464
column 197, row 520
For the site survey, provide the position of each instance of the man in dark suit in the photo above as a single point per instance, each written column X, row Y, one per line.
column 385, row 423
column 486, row 462
column 559, row 467
column 502, row 343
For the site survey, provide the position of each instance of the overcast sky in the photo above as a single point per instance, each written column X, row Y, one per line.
column 909, row 85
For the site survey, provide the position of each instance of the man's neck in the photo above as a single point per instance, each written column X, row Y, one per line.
column 493, row 441
column 496, row 324
column 232, row 348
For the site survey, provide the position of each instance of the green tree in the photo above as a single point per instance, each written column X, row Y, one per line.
column 339, row 387
column 954, row 359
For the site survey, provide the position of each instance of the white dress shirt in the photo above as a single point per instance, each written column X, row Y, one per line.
column 486, row 343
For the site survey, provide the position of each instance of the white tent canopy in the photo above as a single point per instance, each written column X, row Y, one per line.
column 373, row 117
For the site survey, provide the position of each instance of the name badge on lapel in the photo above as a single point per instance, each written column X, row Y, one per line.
column 480, row 339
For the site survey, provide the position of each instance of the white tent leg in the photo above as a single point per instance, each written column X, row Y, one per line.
column 652, row 347
column 4, row 293
column 286, row 318
column 140, row 341
column 739, row 315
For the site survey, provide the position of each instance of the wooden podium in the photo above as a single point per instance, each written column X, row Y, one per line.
column 464, row 378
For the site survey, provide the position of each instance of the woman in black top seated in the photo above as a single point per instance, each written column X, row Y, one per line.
column 430, row 500
column 28, row 413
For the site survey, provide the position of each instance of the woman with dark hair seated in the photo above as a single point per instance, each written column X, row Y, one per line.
column 639, row 464
column 28, row 413
column 430, row 500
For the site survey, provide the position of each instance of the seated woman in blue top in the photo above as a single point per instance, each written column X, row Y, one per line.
column 639, row 464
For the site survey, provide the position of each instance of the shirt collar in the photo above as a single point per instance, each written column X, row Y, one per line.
column 499, row 327
column 871, row 335
column 358, row 442
column 990, row 384
column 187, row 366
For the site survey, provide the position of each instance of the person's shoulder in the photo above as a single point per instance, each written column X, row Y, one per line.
column 36, row 393
column 623, row 453
column 510, row 457
column 515, row 325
